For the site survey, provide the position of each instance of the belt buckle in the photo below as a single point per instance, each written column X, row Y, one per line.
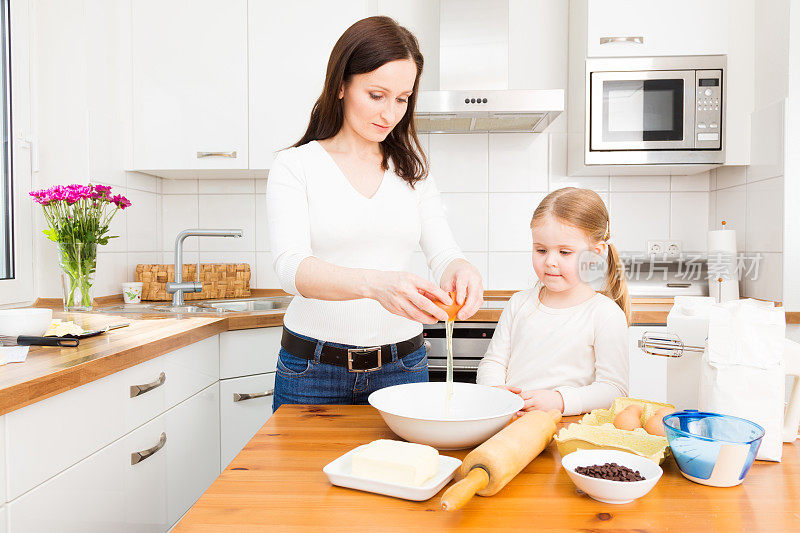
column 362, row 351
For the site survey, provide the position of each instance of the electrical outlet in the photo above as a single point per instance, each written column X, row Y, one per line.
column 673, row 247
column 655, row 248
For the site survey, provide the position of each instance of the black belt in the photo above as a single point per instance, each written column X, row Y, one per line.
column 356, row 359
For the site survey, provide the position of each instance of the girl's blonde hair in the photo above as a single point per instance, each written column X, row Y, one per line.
column 585, row 210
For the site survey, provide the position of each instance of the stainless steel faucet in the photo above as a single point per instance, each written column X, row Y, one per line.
column 178, row 287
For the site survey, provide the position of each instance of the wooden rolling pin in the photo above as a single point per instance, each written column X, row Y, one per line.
column 490, row 466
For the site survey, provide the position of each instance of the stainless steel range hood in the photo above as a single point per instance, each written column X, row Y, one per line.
column 473, row 77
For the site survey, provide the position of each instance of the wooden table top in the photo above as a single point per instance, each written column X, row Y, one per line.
column 276, row 483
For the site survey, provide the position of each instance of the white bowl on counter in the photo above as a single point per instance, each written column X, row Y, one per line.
column 418, row 412
column 606, row 490
column 32, row 321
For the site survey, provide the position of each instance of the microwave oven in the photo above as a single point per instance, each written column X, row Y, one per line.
column 655, row 111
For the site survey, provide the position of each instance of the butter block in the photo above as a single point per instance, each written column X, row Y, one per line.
column 393, row 461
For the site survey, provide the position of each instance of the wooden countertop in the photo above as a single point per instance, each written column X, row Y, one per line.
column 50, row 371
column 277, row 481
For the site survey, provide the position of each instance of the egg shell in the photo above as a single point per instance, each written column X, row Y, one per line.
column 629, row 419
column 655, row 424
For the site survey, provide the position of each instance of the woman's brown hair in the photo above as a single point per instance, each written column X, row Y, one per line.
column 365, row 46
column 585, row 210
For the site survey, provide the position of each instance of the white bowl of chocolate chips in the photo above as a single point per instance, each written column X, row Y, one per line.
column 611, row 476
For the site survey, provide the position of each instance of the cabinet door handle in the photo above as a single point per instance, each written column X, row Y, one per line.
column 136, row 390
column 232, row 154
column 637, row 39
column 138, row 457
column 242, row 396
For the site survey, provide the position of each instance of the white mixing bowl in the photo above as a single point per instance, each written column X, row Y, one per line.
column 418, row 413
column 32, row 321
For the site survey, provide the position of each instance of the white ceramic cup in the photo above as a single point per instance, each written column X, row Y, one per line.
column 132, row 292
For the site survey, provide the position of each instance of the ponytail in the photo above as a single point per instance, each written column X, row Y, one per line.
column 616, row 287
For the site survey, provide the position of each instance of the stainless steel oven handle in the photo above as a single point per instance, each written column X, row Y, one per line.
column 633, row 39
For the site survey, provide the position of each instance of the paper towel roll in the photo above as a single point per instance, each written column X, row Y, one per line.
column 722, row 240
column 723, row 291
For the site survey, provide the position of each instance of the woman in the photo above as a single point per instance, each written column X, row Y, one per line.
column 348, row 205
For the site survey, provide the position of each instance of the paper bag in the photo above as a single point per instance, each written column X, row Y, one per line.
column 742, row 370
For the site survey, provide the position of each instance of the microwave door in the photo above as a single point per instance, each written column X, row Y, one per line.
column 647, row 110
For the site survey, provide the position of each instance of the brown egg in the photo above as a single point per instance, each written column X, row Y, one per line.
column 655, row 424
column 629, row 418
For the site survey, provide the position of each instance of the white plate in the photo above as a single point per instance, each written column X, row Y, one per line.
column 339, row 473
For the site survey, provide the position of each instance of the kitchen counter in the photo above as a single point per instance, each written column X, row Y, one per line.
column 277, row 480
column 49, row 371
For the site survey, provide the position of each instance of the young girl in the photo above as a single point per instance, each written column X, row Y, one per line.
column 562, row 345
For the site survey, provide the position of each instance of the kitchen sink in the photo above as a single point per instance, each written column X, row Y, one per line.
column 266, row 303
column 238, row 305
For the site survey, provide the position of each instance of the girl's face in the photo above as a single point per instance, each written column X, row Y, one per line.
column 374, row 102
column 556, row 250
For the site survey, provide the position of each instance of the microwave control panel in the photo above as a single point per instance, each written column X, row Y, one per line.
column 708, row 117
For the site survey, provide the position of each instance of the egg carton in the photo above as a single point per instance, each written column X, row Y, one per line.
column 596, row 431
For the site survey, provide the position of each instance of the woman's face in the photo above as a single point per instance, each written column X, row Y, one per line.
column 374, row 102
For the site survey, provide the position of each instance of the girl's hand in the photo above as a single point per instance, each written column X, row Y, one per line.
column 402, row 293
column 541, row 400
column 463, row 278
column 515, row 390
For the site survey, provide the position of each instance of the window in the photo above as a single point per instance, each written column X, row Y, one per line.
column 6, row 197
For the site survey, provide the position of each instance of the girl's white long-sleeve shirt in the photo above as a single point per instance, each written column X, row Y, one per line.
column 579, row 351
column 313, row 210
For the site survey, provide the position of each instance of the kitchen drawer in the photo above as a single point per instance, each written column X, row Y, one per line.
column 47, row 437
column 248, row 351
column 105, row 492
column 241, row 417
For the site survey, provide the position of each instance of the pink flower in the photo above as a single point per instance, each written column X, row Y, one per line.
column 121, row 201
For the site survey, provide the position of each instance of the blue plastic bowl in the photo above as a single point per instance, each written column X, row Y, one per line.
column 696, row 439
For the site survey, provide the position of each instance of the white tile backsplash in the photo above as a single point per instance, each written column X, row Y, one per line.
column 637, row 217
column 510, row 270
column 731, row 207
column 228, row 211
column 265, row 276
column 143, row 220
column 468, row 215
column 262, row 229
column 143, row 182
column 730, row 176
column 179, row 186
column 460, row 162
column 180, row 212
column 639, row 183
column 765, row 215
column 227, row 186
column 695, row 182
column 767, row 150
column 768, row 282
column 689, row 220
column 509, row 221
column 518, row 162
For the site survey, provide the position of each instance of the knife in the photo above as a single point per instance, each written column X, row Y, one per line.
column 23, row 340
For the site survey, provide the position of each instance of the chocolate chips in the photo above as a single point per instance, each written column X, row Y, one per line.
column 611, row 471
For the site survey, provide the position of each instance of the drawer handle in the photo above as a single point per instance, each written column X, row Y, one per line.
column 232, row 154
column 136, row 390
column 638, row 40
column 242, row 396
column 138, row 457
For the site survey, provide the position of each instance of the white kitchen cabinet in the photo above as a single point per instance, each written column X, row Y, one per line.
column 648, row 373
column 289, row 44
column 245, row 406
column 47, row 437
column 248, row 351
column 189, row 70
column 621, row 28
column 106, row 492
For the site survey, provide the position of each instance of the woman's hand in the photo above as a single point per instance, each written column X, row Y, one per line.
column 463, row 278
column 403, row 294
column 541, row 400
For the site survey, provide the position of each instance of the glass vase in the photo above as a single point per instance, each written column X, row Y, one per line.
column 77, row 261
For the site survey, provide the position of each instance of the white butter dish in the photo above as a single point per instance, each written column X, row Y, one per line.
column 339, row 473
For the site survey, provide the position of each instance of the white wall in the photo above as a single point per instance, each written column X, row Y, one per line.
column 81, row 84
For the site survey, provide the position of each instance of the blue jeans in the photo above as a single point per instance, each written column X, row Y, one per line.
column 303, row 381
